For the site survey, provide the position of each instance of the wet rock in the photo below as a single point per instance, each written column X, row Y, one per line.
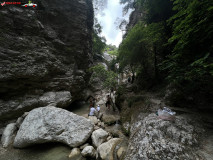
column 51, row 124
column 7, row 136
column 89, row 151
column 99, row 136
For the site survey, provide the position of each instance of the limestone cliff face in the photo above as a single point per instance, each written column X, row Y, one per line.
column 44, row 51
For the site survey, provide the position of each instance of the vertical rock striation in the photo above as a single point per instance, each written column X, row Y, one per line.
column 44, row 49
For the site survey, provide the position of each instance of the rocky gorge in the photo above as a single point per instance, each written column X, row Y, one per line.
column 45, row 54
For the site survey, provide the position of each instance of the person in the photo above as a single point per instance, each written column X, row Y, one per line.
column 98, row 109
column 93, row 101
column 129, row 79
column 92, row 111
column 90, row 102
column 113, row 100
column 108, row 102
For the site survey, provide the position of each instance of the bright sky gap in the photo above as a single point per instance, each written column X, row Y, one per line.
column 111, row 13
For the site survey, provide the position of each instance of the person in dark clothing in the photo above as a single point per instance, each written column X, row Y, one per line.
column 108, row 102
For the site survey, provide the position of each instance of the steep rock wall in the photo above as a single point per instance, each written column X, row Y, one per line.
column 43, row 50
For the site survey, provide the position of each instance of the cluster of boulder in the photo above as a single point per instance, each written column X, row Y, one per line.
column 87, row 137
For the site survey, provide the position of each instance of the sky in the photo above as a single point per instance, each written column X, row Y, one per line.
column 110, row 14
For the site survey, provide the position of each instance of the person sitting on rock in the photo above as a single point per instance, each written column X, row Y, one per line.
column 92, row 111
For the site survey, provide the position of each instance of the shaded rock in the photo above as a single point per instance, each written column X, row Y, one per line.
column 7, row 136
column 93, row 119
column 19, row 122
column 51, row 124
column 121, row 151
column 15, row 107
column 96, row 127
column 105, row 149
column 75, row 153
column 48, row 48
column 98, row 137
column 110, row 119
column 89, row 151
column 59, row 99
column 85, row 145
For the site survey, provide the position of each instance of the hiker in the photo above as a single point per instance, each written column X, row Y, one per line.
column 90, row 102
column 92, row 111
column 129, row 79
column 93, row 101
column 108, row 102
column 98, row 109
column 113, row 100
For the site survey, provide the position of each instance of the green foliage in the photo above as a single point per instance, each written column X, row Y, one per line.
column 109, row 78
column 155, row 10
column 139, row 49
column 190, row 64
column 111, row 49
column 99, row 42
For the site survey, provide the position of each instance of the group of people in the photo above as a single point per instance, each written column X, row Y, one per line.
column 110, row 102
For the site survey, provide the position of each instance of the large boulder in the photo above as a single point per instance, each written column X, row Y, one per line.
column 154, row 138
column 8, row 134
column 99, row 136
column 51, row 124
column 16, row 106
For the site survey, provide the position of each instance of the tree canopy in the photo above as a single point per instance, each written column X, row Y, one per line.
column 172, row 43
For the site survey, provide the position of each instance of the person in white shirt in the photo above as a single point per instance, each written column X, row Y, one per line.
column 98, row 108
column 92, row 111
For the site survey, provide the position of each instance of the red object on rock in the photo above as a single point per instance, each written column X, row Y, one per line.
column 33, row 5
column 25, row 5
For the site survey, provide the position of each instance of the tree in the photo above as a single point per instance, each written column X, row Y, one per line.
column 190, row 65
column 99, row 42
column 109, row 78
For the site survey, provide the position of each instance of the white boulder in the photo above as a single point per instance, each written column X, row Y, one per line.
column 51, row 124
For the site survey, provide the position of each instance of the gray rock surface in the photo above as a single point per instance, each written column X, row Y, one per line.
column 89, row 151
column 51, row 124
column 106, row 148
column 15, row 107
column 93, row 119
column 99, row 136
column 45, row 49
column 19, row 122
column 154, row 138
column 7, row 136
